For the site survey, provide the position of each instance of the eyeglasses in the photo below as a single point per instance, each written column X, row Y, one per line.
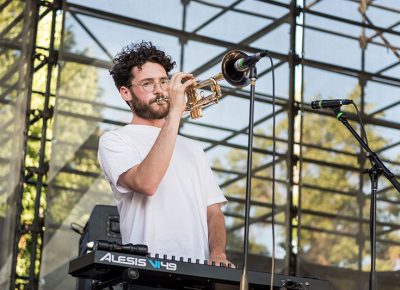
column 150, row 85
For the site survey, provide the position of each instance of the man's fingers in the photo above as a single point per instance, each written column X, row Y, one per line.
column 224, row 262
column 189, row 82
column 177, row 77
column 180, row 81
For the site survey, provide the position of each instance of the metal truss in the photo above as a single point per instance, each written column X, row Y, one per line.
column 290, row 106
column 34, row 176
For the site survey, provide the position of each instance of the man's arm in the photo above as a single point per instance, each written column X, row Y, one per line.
column 146, row 176
column 216, row 234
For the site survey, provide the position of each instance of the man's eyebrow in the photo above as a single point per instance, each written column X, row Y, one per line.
column 152, row 79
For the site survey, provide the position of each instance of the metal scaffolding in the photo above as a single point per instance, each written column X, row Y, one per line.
column 47, row 62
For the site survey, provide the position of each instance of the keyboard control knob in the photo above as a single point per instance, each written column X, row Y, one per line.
column 197, row 261
column 181, row 259
column 189, row 260
column 133, row 274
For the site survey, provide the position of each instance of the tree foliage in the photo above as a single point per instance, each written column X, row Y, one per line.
column 334, row 211
column 77, row 81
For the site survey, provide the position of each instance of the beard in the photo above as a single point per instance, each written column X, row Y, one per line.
column 146, row 111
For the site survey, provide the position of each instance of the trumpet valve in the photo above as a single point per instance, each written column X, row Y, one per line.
column 192, row 100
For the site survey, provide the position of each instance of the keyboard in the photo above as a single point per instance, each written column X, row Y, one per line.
column 109, row 268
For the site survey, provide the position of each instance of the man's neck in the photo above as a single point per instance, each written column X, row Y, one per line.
column 148, row 122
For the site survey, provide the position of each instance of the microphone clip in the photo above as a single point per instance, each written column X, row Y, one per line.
column 338, row 112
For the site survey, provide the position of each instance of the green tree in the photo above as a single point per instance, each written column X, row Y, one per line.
column 78, row 80
column 326, row 247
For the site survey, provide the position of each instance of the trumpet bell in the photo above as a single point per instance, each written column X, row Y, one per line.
column 231, row 75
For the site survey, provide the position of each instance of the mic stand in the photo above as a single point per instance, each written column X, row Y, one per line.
column 244, row 284
column 374, row 173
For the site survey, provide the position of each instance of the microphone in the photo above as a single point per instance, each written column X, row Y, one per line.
column 243, row 64
column 137, row 249
column 320, row 104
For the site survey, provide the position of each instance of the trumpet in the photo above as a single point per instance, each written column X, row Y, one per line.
column 196, row 102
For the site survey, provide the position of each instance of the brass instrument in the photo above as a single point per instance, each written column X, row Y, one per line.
column 195, row 102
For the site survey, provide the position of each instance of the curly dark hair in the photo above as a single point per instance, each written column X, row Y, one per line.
column 137, row 54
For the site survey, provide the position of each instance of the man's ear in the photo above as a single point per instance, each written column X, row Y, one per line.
column 125, row 94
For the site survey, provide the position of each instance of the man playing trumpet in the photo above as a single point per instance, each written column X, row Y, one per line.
column 166, row 194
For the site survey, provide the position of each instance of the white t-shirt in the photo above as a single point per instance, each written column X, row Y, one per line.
column 174, row 220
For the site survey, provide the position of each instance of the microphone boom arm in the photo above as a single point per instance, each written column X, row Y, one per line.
column 370, row 154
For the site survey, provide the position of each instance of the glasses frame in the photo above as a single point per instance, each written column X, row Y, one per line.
column 163, row 83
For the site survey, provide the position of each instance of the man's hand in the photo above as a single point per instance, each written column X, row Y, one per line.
column 220, row 259
column 176, row 91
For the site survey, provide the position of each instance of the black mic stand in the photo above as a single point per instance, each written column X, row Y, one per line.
column 374, row 173
column 244, row 284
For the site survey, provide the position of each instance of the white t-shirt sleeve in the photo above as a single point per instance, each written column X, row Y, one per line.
column 214, row 193
column 116, row 157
